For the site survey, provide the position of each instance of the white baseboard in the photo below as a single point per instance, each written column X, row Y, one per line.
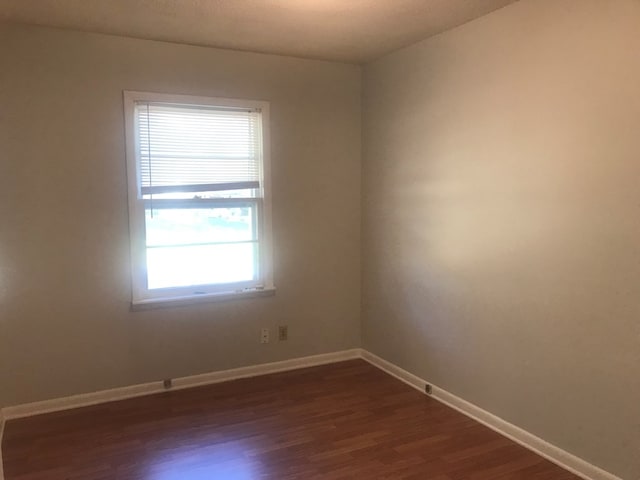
column 552, row 453
column 122, row 393
column 543, row 448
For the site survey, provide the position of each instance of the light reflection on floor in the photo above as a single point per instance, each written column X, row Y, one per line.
column 215, row 462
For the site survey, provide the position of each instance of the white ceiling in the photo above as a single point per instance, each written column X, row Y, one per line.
column 344, row 30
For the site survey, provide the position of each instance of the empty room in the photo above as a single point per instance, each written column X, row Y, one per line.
column 319, row 239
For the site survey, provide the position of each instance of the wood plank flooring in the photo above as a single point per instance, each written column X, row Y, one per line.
column 342, row 421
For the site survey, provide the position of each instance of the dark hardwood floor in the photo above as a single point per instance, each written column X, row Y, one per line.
column 342, row 421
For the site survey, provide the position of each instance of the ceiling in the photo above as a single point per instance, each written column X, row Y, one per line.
column 343, row 30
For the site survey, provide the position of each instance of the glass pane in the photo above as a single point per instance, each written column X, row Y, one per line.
column 246, row 193
column 200, row 265
column 200, row 246
column 196, row 226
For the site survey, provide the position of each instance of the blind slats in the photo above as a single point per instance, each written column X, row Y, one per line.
column 187, row 148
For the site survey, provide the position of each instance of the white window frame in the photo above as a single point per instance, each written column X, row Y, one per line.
column 142, row 297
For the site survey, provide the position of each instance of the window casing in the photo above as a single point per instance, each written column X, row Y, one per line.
column 199, row 203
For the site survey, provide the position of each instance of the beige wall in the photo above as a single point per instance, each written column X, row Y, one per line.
column 65, row 324
column 501, row 199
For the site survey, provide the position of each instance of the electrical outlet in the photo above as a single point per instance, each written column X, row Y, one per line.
column 167, row 383
column 428, row 389
column 264, row 335
column 283, row 333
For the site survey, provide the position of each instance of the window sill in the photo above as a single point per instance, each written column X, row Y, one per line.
column 154, row 303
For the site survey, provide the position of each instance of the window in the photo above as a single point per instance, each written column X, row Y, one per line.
column 199, row 208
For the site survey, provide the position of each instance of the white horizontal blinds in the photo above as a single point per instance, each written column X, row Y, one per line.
column 189, row 148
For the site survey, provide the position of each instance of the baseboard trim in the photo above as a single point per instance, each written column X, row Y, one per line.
column 554, row 454
column 123, row 393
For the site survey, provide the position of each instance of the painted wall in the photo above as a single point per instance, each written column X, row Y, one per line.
column 65, row 323
column 501, row 227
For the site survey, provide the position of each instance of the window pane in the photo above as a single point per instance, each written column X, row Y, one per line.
column 246, row 193
column 194, row 226
column 200, row 246
column 200, row 265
